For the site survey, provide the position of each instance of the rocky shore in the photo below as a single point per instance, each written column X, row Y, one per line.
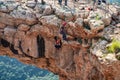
column 27, row 31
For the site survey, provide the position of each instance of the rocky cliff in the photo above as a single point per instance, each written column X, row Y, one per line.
column 27, row 30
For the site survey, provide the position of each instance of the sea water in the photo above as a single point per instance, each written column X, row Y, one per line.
column 114, row 2
column 12, row 69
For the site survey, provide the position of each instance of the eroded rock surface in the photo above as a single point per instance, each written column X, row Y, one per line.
column 29, row 30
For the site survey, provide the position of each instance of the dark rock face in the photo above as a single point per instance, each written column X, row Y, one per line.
column 29, row 30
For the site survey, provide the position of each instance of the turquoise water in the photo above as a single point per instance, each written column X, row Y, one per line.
column 12, row 69
column 114, row 1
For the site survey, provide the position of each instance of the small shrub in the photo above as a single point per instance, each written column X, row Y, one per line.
column 114, row 47
column 97, row 17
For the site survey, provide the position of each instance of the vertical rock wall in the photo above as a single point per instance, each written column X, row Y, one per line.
column 21, row 24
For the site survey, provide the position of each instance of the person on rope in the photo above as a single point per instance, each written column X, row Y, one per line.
column 58, row 42
column 42, row 1
column 76, row 0
column 63, row 31
column 104, row 1
column 60, row 2
column 100, row 1
column 36, row 1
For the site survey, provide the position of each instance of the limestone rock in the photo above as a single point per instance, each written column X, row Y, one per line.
column 3, row 8
column 38, row 15
column 83, row 14
column 23, row 27
column 31, row 28
column 29, row 46
column 23, row 16
column 9, row 33
column 2, row 25
column 79, row 22
column 106, row 32
column 59, row 13
column 11, row 5
column 39, row 8
column 111, row 57
column 31, row 4
column 65, row 14
column 96, row 24
column 118, row 25
column 118, row 56
column 106, row 20
column 7, row 19
column 48, row 10
column 69, row 16
column 51, row 20
column 100, row 48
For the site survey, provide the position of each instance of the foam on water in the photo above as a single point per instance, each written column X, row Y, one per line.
column 12, row 69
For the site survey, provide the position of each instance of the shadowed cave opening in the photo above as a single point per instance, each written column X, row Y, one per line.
column 5, row 43
column 41, row 46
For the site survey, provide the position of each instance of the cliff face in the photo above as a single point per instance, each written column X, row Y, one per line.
column 28, row 30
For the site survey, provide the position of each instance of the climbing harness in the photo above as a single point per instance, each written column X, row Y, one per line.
column 58, row 42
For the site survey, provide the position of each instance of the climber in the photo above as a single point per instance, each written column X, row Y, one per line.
column 101, row 1
column 42, row 2
column 63, row 31
column 36, row 1
column 76, row 0
column 60, row 2
column 58, row 42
